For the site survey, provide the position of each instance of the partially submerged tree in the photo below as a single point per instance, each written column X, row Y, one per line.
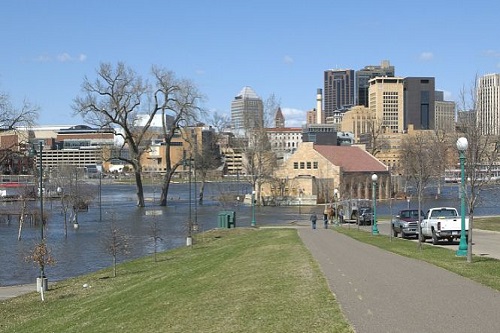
column 177, row 101
column 206, row 158
column 116, row 99
column 74, row 194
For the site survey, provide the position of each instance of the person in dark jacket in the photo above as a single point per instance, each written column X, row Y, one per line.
column 313, row 219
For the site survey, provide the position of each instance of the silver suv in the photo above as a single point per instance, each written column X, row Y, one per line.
column 365, row 216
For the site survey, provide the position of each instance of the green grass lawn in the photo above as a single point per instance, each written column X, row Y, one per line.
column 238, row 280
column 487, row 223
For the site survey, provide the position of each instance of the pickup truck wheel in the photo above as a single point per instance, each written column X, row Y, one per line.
column 403, row 235
column 394, row 232
column 434, row 238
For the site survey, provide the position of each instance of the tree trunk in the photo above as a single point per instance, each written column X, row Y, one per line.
column 165, row 186
column 202, row 190
column 114, row 265
column 140, row 189
column 469, row 237
column 21, row 219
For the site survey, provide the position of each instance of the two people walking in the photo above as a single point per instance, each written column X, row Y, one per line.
column 314, row 218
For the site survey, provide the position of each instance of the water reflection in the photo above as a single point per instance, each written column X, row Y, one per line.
column 83, row 250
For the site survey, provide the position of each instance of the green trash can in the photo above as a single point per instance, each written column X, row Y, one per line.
column 232, row 219
column 226, row 219
column 223, row 220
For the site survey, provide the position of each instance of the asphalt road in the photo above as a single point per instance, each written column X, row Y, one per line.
column 383, row 292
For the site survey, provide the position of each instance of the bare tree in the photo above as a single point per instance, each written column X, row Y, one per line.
column 260, row 160
column 155, row 235
column 74, row 195
column 376, row 140
column 115, row 99
column 41, row 256
column 116, row 243
column 11, row 118
column 440, row 146
column 481, row 156
column 177, row 101
column 207, row 157
column 419, row 163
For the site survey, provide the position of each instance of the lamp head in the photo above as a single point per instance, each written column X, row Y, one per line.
column 374, row 177
column 462, row 144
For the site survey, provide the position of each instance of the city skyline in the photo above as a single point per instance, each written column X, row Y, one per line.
column 49, row 47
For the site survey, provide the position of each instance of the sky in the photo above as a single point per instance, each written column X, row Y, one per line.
column 278, row 48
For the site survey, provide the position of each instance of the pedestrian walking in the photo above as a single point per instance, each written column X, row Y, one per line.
column 325, row 220
column 313, row 219
column 341, row 215
column 330, row 214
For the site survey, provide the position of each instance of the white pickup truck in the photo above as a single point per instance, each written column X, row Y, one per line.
column 442, row 223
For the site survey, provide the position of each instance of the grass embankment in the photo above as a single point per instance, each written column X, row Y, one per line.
column 238, row 280
column 487, row 223
column 482, row 269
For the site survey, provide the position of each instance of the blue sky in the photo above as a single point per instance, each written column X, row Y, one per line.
column 276, row 47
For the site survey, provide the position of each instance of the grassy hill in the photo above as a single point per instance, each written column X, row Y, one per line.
column 237, row 280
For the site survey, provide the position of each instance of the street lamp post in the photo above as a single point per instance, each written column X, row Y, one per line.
column 40, row 192
column 301, row 193
column 335, row 195
column 374, row 195
column 189, row 239
column 462, row 145
column 253, row 209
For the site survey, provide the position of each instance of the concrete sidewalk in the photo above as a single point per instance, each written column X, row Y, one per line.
column 14, row 291
column 383, row 292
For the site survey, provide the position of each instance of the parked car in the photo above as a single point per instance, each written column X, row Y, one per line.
column 406, row 223
column 365, row 216
column 443, row 223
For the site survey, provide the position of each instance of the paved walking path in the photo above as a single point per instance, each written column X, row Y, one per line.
column 383, row 292
column 13, row 291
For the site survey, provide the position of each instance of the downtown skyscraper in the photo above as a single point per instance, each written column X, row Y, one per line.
column 338, row 90
column 247, row 111
column 488, row 104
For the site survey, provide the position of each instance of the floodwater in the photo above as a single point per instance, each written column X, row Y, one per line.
column 83, row 250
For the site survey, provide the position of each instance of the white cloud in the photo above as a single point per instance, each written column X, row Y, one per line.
column 288, row 60
column 426, row 56
column 62, row 57
column 43, row 58
column 200, row 72
column 294, row 117
column 492, row 53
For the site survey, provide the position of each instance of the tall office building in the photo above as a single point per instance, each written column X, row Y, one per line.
column 444, row 115
column 488, row 104
column 247, row 111
column 339, row 91
column 363, row 76
column 419, row 102
column 387, row 103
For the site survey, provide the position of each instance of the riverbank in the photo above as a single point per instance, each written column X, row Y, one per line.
column 238, row 280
